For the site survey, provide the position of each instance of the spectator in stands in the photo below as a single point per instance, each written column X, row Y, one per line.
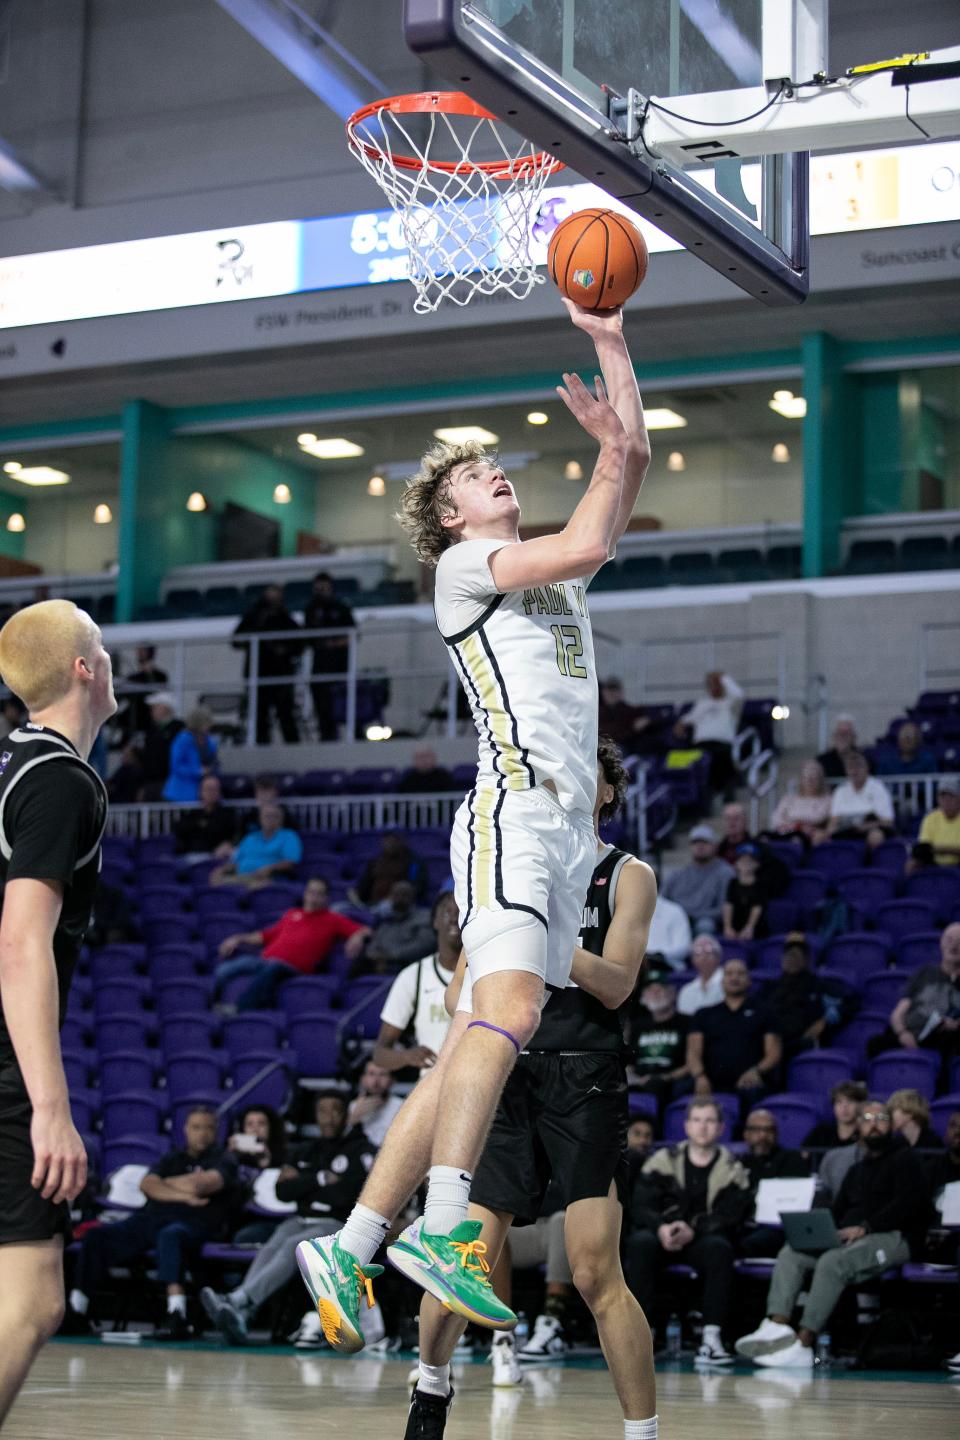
column 880, row 1215
column 425, row 776
column 641, row 1134
column 701, row 886
column 259, row 1141
column 836, row 1164
column 146, row 677
column 806, row 812
column 766, row 1159
column 126, row 782
column 374, row 1109
column 911, row 757
column 846, row 1097
column 940, row 828
column 624, row 723
column 745, row 904
column 910, row 1114
column 774, row 872
column 690, row 1201
column 396, row 861
column 267, row 853
column 670, row 938
column 191, row 1194
column 12, row 716
column 164, row 726
column 193, row 754
column 942, row 1170
column 735, row 1045
column 331, row 653
column 844, row 738
column 808, row 1006
column 403, row 935
column 706, row 957
column 928, row 1014
column 711, row 724
column 276, row 660
column 657, row 1060
column 861, row 808
column 414, row 1009
column 209, row 830
column 323, row 1178
column 301, row 942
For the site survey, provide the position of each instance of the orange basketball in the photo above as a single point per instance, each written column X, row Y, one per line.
column 597, row 258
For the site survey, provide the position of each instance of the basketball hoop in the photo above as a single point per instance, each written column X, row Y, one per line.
column 466, row 198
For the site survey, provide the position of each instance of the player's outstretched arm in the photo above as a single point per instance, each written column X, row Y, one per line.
column 605, row 329
column 585, row 542
column 612, row 976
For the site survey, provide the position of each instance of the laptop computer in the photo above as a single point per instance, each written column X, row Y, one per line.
column 810, row 1231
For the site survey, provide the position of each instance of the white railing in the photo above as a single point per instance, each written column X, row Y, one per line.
column 336, row 814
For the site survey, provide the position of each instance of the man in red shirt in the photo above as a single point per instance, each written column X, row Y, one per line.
column 301, row 942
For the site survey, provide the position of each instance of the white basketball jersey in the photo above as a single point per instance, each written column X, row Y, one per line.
column 525, row 659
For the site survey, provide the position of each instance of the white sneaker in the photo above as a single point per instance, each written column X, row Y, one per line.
column 954, row 1362
column 371, row 1323
column 711, row 1352
column 791, row 1357
column 503, row 1358
column 309, row 1333
column 547, row 1341
column 768, row 1337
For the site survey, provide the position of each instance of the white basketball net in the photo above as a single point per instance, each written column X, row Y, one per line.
column 467, row 214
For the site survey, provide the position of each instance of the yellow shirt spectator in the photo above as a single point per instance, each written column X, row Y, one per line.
column 943, row 833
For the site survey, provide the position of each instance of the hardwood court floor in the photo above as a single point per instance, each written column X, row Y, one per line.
column 96, row 1392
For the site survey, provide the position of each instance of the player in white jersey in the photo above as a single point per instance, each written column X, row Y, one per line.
column 515, row 616
column 416, row 999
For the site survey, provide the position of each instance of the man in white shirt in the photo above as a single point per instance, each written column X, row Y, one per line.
column 416, row 1002
column 706, row 958
column 670, row 933
column 711, row 723
column 861, row 808
column 374, row 1108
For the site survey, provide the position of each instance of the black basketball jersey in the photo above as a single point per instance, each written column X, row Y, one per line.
column 572, row 1019
column 53, row 811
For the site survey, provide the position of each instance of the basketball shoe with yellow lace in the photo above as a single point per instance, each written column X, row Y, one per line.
column 454, row 1270
column 337, row 1281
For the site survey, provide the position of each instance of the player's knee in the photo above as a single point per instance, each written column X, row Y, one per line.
column 46, row 1315
column 595, row 1279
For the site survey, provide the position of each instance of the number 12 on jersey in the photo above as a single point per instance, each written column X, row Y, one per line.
column 569, row 650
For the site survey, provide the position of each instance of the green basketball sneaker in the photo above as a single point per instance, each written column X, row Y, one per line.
column 336, row 1282
column 454, row 1270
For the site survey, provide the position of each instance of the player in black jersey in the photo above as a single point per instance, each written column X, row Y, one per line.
column 563, row 1115
column 53, row 809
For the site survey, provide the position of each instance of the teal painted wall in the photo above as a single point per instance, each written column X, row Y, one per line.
column 12, row 543
column 224, row 468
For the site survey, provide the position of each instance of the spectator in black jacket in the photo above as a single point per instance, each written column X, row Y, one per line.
column 163, row 729
column 881, row 1212
column 275, row 659
column 846, row 1097
column 808, row 1007
column 688, row 1203
column 910, row 1115
column 766, row 1159
column 324, row 1178
column 734, row 1045
column 331, row 653
column 209, row 831
column 943, row 1247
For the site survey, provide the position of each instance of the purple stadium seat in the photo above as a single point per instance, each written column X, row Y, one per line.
column 882, row 990
column 133, row 1150
column 182, row 997
column 807, row 888
column 921, row 949
column 83, row 1111
column 273, row 1089
column 942, row 1109
column 251, row 1032
column 132, row 1114
column 899, row 918
column 852, row 1039
column 867, row 889
column 835, row 858
column 126, row 1070
column 370, row 780
column 212, row 1099
column 642, row 1105
column 162, row 899
column 74, row 1034
column 939, row 886
column 172, row 963
column 193, row 1073
column 816, row 1071
column 796, row 1116
column 891, row 855
column 155, row 846
column 675, row 1114
column 737, row 949
column 120, row 997
column 786, row 850
column 953, row 1075
column 314, row 1041
column 186, row 1033
column 308, row 992
column 365, row 1000
column 123, row 1031
column 783, row 914
column 105, row 967
column 218, row 928
column 76, row 1067
column 168, row 930
column 904, row 1070
column 210, row 904
column 768, row 953
column 857, row 955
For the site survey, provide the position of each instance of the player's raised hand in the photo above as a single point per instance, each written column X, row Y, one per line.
column 59, row 1157
column 592, row 411
column 596, row 323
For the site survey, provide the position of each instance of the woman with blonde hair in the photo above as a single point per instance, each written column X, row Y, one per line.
column 193, row 754
column 806, row 812
column 910, row 1114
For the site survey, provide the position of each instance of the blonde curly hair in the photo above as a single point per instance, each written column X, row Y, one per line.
column 426, row 498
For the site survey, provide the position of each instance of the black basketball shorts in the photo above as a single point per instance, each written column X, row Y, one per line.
column 24, row 1214
column 561, row 1118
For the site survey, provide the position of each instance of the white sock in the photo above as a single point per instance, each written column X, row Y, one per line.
column 434, row 1380
column 79, row 1302
column 239, row 1298
column 363, row 1234
column 448, row 1194
column 711, row 1335
column 177, row 1305
column 640, row 1429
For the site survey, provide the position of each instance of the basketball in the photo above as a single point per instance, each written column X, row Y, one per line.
column 597, row 258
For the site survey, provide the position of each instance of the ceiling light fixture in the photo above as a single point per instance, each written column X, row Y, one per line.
column 281, row 494
column 664, row 419
column 538, row 417
column 463, row 434
column 573, row 470
column 376, row 485
column 16, row 523
column 675, row 460
column 790, row 406
column 102, row 515
column 379, row 732
column 40, row 475
column 780, row 453
column 334, row 447
column 196, row 502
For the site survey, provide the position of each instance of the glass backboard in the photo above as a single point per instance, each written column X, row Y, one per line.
column 573, row 76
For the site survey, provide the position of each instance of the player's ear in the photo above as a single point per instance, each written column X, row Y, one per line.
column 451, row 521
